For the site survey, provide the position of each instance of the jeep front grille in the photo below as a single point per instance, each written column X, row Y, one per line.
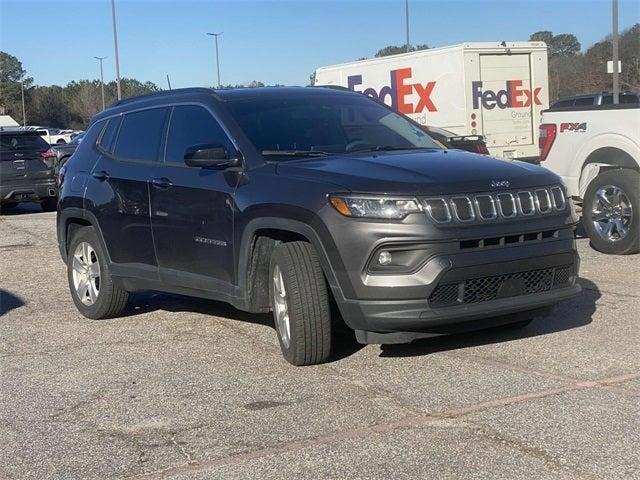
column 494, row 206
column 482, row 289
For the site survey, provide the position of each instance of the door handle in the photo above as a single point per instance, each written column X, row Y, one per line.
column 162, row 182
column 101, row 175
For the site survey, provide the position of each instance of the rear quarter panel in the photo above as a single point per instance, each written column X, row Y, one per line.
column 580, row 133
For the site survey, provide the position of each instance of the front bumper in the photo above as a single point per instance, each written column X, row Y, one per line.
column 492, row 284
column 497, row 307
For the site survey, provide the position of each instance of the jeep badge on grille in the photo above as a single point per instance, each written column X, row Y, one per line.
column 500, row 183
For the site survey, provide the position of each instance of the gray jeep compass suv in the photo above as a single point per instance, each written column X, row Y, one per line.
column 293, row 200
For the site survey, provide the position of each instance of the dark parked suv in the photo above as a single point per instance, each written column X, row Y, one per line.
column 27, row 172
column 296, row 200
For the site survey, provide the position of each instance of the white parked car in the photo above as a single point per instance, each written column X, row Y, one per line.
column 53, row 135
column 596, row 150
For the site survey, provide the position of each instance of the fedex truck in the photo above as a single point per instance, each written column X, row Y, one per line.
column 498, row 90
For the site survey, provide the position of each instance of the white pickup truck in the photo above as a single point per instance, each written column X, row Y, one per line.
column 53, row 135
column 596, row 150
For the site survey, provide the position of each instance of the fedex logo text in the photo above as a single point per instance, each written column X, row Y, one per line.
column 397, row 92
column 513, row 96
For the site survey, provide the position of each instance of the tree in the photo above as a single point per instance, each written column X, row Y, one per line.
column 12, row 75
column 395, row 50
column 563, row 44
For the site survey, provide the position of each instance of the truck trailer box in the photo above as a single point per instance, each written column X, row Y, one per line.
column 498, row 90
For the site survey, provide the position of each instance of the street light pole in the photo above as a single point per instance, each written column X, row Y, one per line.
column 100, row 59
column 216, row 35
column 115, row 45
column 24, row 112
column 406, row 8
column 614, row 40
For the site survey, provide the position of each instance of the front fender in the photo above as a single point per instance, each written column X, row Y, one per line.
column 317, row 234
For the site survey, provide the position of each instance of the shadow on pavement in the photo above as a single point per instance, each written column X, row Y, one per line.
column 20, row 209
column 9, row 301
column 570, row 314
column 344, row 343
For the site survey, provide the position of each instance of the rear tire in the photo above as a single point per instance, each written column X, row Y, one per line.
column 300, row 304
column 101, row 299
column 594, row 211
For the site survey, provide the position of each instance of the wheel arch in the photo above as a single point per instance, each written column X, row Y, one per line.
column 603, row 159
column 259, row 238
column 70, row 221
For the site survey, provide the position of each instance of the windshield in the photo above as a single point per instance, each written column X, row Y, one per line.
column 324, row 124
column 21, row 141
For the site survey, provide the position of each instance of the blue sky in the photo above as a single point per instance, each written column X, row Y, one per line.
column 270, row 41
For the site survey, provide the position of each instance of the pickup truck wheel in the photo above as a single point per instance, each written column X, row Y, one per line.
column 92, row 288
column 611, row 212
column 300, row 304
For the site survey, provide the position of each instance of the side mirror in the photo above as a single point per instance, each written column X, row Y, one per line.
column 209, row 156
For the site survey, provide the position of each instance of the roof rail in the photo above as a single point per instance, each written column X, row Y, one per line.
column 162, row 94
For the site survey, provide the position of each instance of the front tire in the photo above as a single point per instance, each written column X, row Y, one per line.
column 89, row 276
column 300, row 304
column 611, row 212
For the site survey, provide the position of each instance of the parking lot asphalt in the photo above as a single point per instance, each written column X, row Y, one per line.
column 187, row 388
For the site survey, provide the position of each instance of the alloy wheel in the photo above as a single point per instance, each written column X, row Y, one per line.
column 86, row 273
column 611, row 213
column 280, row 307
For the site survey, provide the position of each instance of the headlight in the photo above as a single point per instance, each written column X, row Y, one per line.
column 374, row 207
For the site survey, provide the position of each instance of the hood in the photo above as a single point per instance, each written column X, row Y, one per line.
column 430, row 172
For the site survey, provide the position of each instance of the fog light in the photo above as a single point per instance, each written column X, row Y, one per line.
column 385, row 258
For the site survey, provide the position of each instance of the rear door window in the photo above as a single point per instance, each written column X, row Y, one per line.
column 140, row 135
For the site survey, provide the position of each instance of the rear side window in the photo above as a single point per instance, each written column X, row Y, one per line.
column 108, row 137
column 563, row 103
column 584, row 101
column 84, row 156
column 193, row 125
column 140, row 135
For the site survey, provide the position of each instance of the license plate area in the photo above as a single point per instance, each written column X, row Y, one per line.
column 19, row 164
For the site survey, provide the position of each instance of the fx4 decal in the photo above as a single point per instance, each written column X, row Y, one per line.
column 573, row 127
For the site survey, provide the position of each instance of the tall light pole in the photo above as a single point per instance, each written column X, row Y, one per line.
column 24, row 112
column 115, row 45
column 100, row 59
column 216, row 35
column 406, row 9
column 614, row 40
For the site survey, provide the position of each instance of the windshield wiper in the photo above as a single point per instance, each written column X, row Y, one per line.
column 295, row 153
column 388, row 148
